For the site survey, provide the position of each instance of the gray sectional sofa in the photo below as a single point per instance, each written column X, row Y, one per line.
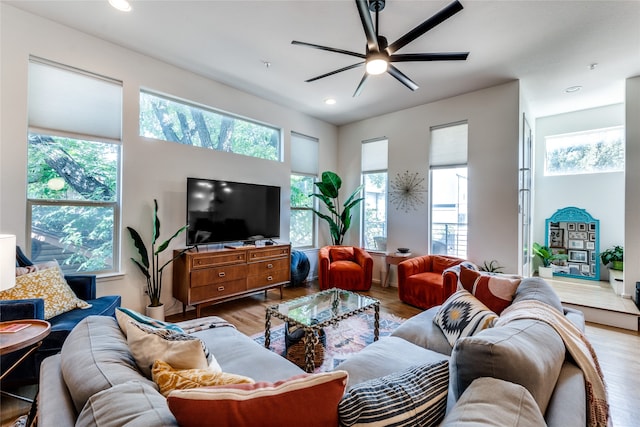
column 96, row 377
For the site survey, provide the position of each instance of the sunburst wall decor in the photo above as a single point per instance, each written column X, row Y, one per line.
column 407, row 191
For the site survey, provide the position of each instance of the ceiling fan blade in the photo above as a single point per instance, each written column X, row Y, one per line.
column 436, row 19
column 402, row 78
column 450, row 56
column 348, row 67
column 360, row 85
column 330, row 49
column 367, row 24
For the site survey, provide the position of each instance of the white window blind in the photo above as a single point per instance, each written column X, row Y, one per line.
column 374, row 155
column 449, row 145
column 304, row 154
column 74, row 101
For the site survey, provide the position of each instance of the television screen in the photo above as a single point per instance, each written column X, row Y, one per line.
column 225, row 211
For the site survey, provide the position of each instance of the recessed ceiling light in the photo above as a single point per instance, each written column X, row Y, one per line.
column 572, row 89
column 122, row 5
column 330, row 101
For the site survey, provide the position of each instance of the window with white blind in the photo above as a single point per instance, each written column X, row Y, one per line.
column 304, row 171
column 73, row 166
column 374, row 207
column 448, row 179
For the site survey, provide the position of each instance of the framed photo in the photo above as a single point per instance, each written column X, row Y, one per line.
column 593, row 269
column 585, row 268
column 591, row 245
column 582, row 226
column 578, row 235
column 571, row 226
column 593, row 257
column 556, row 238
column 592, row 226
column 576, row 244
column 592, row 237
column 578, row 256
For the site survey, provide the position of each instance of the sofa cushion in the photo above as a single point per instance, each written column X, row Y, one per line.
column 412, row 397
column 133, row 403
column 95, row 357
column 463, row 315
column 493, row 402
column 48, row 284
column 309, row 400
column 495, row 291
column 422, row 331
column 341, row 254
column 526, row 352
column 536, row 288
column 169, row 379
column 124, row 315
column 441, row 263
column 182, row 351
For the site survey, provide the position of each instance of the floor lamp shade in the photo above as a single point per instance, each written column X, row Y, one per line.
column 7, row 261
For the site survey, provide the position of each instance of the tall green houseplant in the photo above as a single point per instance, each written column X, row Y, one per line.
column 339, row 218
column 153, row 272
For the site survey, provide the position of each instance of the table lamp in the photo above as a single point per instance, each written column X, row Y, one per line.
column 7, row 261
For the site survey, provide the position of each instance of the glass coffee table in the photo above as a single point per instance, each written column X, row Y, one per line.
column 316, row 311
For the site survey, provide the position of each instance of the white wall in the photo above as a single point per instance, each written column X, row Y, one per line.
column 601, row 194
column 493, row 116
column 632, row 188
column 151, row 169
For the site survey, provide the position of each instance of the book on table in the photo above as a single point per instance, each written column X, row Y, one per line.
column 9, row 328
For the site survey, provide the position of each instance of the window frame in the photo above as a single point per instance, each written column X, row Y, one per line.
column 314, row 206
column 385, row 223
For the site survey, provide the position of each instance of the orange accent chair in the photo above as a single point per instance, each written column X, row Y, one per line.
column 344, row 267
column 421, row 281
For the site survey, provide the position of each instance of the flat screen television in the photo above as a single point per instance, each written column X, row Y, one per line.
column 226, row 211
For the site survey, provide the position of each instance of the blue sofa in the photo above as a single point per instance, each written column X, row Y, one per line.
column 84, row 286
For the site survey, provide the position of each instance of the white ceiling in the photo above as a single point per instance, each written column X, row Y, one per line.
column 548, row 45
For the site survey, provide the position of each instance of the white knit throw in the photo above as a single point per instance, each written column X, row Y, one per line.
column 577, row 345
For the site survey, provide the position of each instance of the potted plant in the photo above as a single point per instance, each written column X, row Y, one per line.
column 547, row 257
column 613, row 256
column 339, row 219
column 492, row 266
column 153, row 271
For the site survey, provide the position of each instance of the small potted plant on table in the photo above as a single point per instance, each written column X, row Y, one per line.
column 613, row 259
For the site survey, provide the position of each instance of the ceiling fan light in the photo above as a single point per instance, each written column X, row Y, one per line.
column 121, row 5
column 376, row 66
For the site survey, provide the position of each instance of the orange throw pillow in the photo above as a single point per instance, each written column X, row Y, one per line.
column 494, row 291
column 340, row 254
column 309, row 400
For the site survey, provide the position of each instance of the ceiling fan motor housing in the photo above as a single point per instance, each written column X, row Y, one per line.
column 376, row 5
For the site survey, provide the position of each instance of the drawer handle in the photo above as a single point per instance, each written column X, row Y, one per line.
column 220, row 288
column 221, row 274
column 269, row 265
column 270, row 278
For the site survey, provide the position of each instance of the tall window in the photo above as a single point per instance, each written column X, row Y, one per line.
column 448, row 171
column 73, row 197
column 172, row 120
column 374, row 207
column 593, row 151
column 304, row 170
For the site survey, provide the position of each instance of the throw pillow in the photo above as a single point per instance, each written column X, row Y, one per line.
column 48, row 284
column 169, row 379
column 181, row 351
column 414, row 397
column 341, row 254
column 36, row 267
column 462, row 315
column 124, row 316
column 309, row 400
column 495, row 291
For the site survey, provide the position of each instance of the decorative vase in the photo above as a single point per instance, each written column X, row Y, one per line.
column 155, row 312
column 546, row 272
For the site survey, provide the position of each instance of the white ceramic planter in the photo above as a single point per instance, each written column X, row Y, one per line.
column 155, row 312
column 616, row 279
column 546, row 272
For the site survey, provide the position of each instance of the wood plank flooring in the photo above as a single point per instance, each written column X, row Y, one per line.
column 618, row 350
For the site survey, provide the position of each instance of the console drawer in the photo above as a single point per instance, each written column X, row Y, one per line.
column 267, row 278
column 215, row 275
column 208, row 293
column 207, row 260
column 258, row 254
column 268, row 266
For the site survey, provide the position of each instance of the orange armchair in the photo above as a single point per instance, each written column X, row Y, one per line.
column 344, row 267
column 421, row 281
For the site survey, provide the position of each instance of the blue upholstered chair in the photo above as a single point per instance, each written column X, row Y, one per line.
column 84, row 286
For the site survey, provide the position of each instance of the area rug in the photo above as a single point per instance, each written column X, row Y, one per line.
column 343, row 340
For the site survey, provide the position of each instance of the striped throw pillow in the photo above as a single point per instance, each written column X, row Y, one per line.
column 414, row 397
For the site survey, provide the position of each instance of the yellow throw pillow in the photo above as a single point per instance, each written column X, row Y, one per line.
column 169, row 379
column 48, row 284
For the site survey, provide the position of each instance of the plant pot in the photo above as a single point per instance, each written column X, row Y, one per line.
column 546, row 272
column 617, row 265
column 616, row 280
column 155, row 312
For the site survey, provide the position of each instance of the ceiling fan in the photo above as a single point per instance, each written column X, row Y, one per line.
column 380, row 54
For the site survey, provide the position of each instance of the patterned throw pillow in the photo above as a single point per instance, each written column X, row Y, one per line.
column 413, row 397
column 181, row 351
column 495, row 291
column 309, row 400
column 463, row 315
column 169, row 379
column 48, row 284
column 125, row 315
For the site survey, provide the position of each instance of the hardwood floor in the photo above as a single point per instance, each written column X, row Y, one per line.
column 618, row 350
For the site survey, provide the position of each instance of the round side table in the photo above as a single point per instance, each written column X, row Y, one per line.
column 32, row 335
